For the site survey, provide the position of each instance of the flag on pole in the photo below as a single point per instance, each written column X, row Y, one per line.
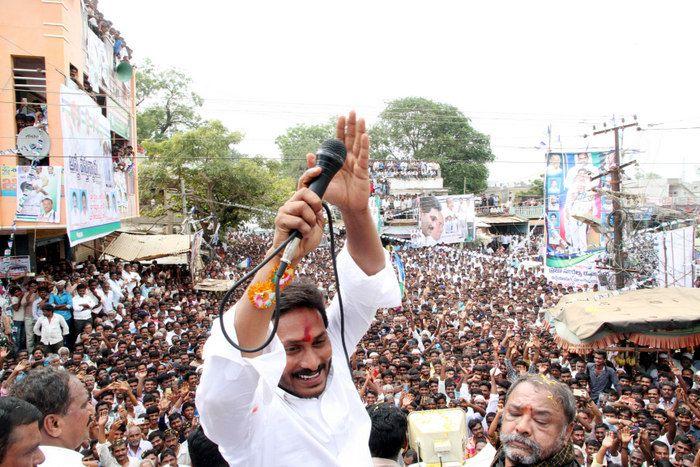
column 245, row 264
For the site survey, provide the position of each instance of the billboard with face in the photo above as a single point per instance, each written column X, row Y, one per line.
column 444, row 219
column 577, row 216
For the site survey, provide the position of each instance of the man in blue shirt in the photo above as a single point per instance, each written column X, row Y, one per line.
column 62, row 302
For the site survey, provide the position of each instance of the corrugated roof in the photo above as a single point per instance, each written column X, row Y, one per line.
column 131, row 247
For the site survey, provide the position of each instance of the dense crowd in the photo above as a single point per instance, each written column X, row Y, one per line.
column 470, row 323
column 399, row 206
column 105, row 30
column 123, row 156
column 31, row 114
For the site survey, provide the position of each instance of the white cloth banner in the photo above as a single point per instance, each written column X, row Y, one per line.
column 674, row 248
column 91, row 205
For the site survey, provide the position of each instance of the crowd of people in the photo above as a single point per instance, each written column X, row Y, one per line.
column 31, row 114
column 105, row 30
column 399, row 206
column 123, row 156
column 132, row 335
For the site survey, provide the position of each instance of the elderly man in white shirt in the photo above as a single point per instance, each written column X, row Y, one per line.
column 293, row 404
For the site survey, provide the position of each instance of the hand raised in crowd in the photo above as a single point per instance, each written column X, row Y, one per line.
column 349, row 189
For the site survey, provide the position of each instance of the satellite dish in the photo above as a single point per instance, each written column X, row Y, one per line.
column 33, row 143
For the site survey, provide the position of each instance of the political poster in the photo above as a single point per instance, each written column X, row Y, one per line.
column 91, row 195
column 577, row 216
column 444, row 219
column 39, row 194
column 8, row 180
column 13, row 267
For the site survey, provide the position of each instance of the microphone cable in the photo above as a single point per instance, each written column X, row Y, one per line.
column 276, row 313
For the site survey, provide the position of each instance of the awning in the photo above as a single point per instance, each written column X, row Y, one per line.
column 167, row 260
column 665, row 318
column 132, row 247
column 214, row 285
column 501, row 220
column 398, row 230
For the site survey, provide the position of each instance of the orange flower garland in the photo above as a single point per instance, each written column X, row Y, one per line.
column 262, row 294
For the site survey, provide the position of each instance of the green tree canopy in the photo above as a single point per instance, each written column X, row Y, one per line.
column 300, row 140
column 165, row 102
column 214, row 175
column 421, row 129
column 536, row 187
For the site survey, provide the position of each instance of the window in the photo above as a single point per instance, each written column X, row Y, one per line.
column 29, row 74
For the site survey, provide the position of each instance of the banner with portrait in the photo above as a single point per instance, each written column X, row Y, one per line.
column 39, row 194
column 444, row 219
column 91, row 198
column 8, row 180
column 577, row 217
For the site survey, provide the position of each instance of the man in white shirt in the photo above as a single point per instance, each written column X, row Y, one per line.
column 107, row 297
column 65, row 405
column 293, row 404
column 131, row 279
column 83, row 304
column 51, row 329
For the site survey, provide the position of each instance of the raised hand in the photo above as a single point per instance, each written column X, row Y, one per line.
column 625, row 435
column 609, row 441
column 349, row 189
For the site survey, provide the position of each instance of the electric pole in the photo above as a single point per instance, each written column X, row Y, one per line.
column 614, row 172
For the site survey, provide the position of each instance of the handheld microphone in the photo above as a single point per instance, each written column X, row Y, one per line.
column 330, row 157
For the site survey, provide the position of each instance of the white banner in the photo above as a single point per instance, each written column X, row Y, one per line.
column 91, row 199
column 674, row 248
column 39, row 194
column 99, row 61
column 444, row 219
column 14, row 266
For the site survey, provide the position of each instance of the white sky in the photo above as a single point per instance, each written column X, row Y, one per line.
column 512, row 67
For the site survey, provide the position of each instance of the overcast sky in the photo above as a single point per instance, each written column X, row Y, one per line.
column 512, row 67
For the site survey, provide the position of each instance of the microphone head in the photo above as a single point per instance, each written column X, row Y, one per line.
column 331, row 156
column 334, row 146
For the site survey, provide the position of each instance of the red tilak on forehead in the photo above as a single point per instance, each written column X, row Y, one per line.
column 307, row 333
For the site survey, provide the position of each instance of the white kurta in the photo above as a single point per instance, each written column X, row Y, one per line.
column 255, row 423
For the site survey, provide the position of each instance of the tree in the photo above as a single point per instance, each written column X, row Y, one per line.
column 536, row 187
column 420, row 129
column 215, row 175
column 300, row 140
column 165, row 102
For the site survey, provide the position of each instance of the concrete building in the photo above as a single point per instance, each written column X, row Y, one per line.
column 62, row 93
